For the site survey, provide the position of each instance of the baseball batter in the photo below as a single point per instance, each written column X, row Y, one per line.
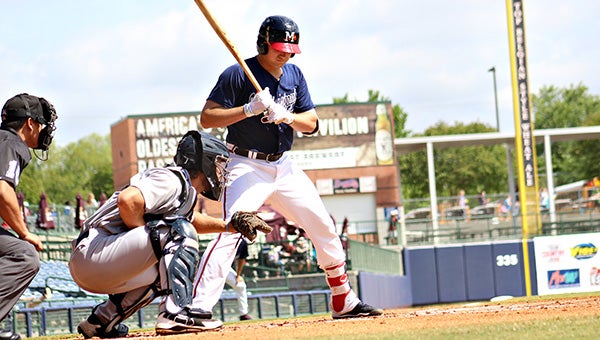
column 260, row 169
column 142, row 243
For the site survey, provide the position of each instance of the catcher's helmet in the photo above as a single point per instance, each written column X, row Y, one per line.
column 201, row 152
column 23, row 106
column 279, row 32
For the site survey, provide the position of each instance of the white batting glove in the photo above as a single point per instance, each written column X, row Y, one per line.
column 259, row 103
column 278, row 114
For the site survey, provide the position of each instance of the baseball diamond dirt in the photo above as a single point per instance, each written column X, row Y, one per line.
column 517, row 317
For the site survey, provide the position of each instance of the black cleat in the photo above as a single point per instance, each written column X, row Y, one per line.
column 92, row 327
column 245, row 317
column 361, row 310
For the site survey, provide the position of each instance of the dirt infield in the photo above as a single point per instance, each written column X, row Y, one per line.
column 410, row 320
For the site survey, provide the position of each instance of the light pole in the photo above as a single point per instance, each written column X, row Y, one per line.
column 509, row 163
column 493, row 70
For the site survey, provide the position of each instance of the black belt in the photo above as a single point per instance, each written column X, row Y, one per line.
column 269, row 157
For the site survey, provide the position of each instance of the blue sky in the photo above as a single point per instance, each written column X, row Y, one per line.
column 98, row 61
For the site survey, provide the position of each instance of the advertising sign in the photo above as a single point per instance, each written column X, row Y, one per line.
column 567, row 263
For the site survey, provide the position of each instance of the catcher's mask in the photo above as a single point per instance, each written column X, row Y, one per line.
column 23, row 106
column 201, row 152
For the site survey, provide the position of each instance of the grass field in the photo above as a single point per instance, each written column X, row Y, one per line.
column 547, row 317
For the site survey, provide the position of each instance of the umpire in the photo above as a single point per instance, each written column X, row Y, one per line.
column 27, row 122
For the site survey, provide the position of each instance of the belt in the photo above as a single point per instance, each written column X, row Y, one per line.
column 269, row 157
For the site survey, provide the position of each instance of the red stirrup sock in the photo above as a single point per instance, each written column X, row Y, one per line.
column 343, row 298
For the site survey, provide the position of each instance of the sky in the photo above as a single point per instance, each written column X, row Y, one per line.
column 99, row 61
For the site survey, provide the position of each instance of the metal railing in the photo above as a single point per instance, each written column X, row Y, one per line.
column 63, row 317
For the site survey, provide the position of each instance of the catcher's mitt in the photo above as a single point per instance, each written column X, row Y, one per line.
column 247, row 223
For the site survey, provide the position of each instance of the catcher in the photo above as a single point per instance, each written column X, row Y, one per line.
column 142, row 243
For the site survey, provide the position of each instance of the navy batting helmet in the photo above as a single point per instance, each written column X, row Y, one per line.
column 279, row 32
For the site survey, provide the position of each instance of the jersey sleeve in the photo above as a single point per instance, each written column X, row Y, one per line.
column 12, row 163
column 161, row 189
column 227, row 90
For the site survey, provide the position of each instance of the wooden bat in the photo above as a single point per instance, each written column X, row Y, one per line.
column 215, row 25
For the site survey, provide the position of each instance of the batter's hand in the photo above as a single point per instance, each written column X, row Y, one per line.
column 278, row 114
column 259, row 103
column 247, row 223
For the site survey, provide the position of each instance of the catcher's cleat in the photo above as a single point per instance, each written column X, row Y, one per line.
column 92, row 327
column 168, row 323
column 361, row 310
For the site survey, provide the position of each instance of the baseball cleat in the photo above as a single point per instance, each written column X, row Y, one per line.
column 362, row 309
column 91, row 327
column 245, row 317
column 199, row 313
column 168, row 323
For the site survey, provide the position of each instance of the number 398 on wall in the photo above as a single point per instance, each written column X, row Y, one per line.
column 507, row 260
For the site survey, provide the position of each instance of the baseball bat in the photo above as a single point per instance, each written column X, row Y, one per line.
column 215, row 25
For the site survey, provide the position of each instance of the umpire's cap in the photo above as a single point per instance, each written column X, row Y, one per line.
column 23, row 106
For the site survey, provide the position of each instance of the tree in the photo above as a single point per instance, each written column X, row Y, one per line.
column 472, row 168
column 568, row 107
column 80, row 167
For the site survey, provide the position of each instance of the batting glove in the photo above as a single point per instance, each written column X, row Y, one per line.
column 278, row 114
column 259, row 103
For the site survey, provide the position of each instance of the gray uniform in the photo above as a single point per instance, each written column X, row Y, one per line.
column 109, row 258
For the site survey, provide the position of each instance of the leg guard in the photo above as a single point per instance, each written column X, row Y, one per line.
column 179, row 265
column 105, row 320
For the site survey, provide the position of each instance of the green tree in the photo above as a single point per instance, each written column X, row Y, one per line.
column 78, row 168
column 568, row 107
column 472, row 168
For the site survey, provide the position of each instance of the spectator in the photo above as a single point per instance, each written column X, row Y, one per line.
column 544, row 199
column 44, row 220
column 393, row 227
column 463, row 202
column 27, row 122
column 483, row 200
column 235, row 280
column 506, row 207
column 91, row 202
column 80, row 212
column 102, row 199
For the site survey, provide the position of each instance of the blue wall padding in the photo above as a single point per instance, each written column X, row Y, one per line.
column 508, row 275
column 450, row 266
column 384, row 290
column 479, row 272
column 420, row 267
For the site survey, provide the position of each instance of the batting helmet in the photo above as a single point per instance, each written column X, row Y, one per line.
column 279, row 32
column 201, row 152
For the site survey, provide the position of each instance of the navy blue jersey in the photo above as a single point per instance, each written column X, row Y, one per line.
column 14, row 156
column 234, row 89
